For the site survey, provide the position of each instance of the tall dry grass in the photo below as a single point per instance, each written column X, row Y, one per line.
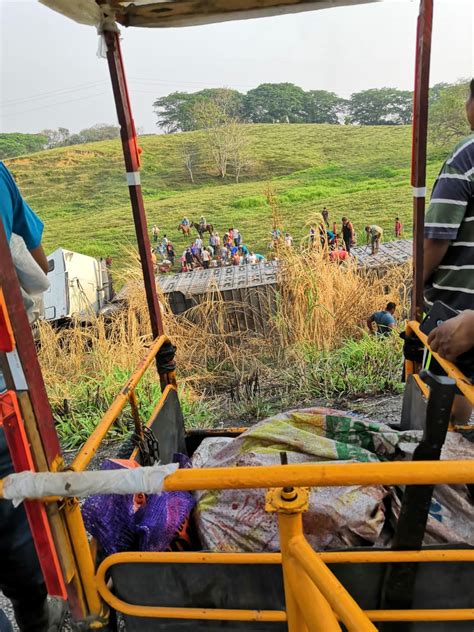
column 319, row 305
column 323, row 302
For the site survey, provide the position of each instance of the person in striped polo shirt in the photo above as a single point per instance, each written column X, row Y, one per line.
column 449, row 234
column 449, row 227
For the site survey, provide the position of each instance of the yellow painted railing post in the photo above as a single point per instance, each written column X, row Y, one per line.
column 289, row 505
column 80, row 545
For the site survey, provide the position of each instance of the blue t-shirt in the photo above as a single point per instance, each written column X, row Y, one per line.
column 384, row 321
column 16, row 215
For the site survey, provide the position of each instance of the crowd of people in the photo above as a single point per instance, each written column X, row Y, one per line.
column 207, row 250
column 210, row 250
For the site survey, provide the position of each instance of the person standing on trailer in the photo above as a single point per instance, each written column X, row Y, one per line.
column 448, row 265
column 348, row 235
column 398, row 228
column 21, row 579
column 374, row 235
column 325, row 214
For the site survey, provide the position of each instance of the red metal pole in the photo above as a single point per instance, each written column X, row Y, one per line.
column 27, row 371
column 420, row 134
column 10, row 419
column 132, row 164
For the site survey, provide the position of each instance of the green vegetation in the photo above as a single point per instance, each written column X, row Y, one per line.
column 285, row 103
column 16, row 144
column 359, row 368
column 363, row 172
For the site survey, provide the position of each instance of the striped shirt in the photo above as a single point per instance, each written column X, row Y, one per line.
column 450, row 216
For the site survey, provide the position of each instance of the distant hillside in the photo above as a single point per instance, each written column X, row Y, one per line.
column 362, row 172
column 12, row 145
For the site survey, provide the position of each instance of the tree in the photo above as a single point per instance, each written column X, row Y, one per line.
column 56, row 137
column 176, row 111
column 101, row 131
column 436, row 90
column 239, row 155
column 16, row 144
column 189, row 155
column 275, row 103
column 225, row 137
column 381, row 106
column 447, row 114
column 321, row 106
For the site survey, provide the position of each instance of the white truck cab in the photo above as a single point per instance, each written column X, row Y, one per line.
column 79, row 286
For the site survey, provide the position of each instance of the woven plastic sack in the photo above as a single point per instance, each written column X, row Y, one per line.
column 137, row 522
column 236, row 520
column 451, row 513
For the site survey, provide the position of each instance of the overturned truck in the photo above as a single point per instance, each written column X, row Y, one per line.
column 250, row 291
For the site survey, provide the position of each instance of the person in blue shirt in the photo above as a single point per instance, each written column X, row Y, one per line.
column 21, row 579
column 384, row 321
column 17, row 217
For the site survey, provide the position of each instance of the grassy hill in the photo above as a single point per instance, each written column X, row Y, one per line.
column 363, row 172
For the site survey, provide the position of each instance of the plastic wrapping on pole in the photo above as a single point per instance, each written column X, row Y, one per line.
column 301, row 475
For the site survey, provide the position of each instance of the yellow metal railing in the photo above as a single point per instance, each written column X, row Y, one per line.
column 315, row 599
column 127, row 395
column 463, row 384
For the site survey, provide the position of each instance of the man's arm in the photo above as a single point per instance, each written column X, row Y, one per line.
column 434, row 251
column 39, row 256
column 370, row 325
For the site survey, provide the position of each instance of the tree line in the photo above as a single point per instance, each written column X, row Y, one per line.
column 288, row 103
column 17, row 144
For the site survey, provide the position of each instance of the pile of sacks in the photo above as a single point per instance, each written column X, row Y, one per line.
column 338, row 517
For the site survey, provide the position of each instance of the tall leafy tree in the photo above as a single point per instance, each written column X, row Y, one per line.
column 16, row 144
column 381, row 106
column 447, row 114
column 321, row 106
column 176, row 111
column 275, row 103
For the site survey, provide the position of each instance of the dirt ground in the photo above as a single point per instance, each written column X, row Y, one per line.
column 385, row 409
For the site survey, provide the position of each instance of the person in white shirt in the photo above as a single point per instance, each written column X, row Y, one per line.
column 206, row 257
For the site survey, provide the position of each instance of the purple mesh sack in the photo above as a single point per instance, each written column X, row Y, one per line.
column 119, row 523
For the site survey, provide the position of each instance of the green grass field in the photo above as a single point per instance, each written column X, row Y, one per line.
column 364, row 172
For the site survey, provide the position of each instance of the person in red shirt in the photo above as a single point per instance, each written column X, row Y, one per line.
column 339, row 255
column 398, row 227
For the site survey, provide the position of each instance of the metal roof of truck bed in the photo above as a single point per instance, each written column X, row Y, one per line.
column 153, row 13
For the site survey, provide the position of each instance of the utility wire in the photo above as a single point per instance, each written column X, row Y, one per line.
column 52, row 105
column 44, row 95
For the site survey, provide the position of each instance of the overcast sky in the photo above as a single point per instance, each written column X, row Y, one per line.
column 51, row 76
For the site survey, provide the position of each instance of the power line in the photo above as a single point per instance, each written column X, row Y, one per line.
column 179, row 82
column 52, row 105
column 43, row 95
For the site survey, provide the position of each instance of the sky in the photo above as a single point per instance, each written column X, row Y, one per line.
column 50, row 75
